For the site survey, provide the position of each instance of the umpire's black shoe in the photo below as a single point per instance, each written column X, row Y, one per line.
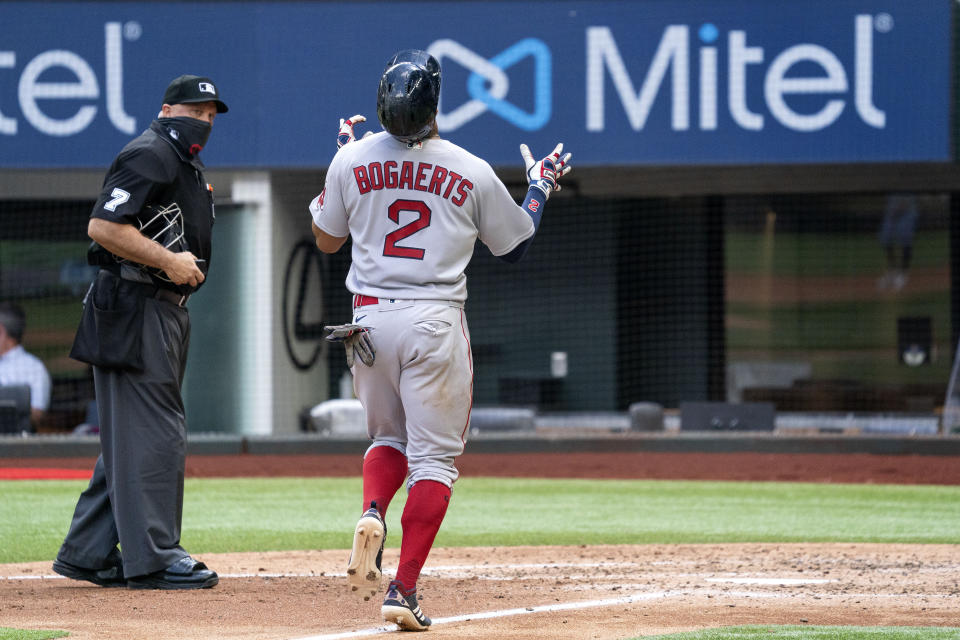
column 185, row 573
column 111, row 576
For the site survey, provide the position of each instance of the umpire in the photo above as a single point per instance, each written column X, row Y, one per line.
column 151, row 228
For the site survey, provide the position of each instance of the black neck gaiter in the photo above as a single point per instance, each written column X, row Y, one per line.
column 191, row 134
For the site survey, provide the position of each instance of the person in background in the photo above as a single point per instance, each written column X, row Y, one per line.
column 896, row 238
column 19, row 367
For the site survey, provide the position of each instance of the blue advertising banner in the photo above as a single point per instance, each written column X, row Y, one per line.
column 659, row 82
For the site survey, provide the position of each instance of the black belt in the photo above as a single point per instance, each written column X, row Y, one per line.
column 178, row 299
column 153, row 291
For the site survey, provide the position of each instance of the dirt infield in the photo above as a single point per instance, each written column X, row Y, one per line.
column 602, row 592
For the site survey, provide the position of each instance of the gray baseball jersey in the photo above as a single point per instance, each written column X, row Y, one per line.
column 415, row 215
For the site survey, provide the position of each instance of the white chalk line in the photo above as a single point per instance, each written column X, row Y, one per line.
column 502, row 613
column 531, row 565
column 480, row 572
column 783, row 582
column 54, row 576
column 438, row 570
column 570, row 606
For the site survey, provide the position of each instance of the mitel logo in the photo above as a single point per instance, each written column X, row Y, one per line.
column 31, row 90
column 484, row 97
column 781, row 79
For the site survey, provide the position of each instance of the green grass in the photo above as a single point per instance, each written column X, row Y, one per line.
column 23, row 634
column 42, row 253
column 825, row 254
column 833, row 325
column 767, row 632
column 262, row 514
column 854, row 339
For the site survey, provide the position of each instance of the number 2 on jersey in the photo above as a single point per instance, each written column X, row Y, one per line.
column 390, row 246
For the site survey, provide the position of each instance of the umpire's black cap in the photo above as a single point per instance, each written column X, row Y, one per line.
column 187, row 89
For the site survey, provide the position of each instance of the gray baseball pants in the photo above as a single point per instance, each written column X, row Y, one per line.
column 135, row 496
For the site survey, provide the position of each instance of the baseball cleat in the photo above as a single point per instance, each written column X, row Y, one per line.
column 363, row 571
column 404, row 610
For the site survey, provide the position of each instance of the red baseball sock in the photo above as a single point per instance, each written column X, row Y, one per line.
column 384, row 470
column 426, row 505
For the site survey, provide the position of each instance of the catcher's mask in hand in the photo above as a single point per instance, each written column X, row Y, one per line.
column 163, row 225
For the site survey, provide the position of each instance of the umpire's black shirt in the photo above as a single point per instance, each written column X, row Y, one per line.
column 157, row 168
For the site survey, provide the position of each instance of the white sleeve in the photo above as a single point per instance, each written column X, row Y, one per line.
column 327, row 209
column 34, row 373
column 41, row 386
column 501, row 222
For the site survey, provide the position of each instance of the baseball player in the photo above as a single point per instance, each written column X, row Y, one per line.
column 414, row 205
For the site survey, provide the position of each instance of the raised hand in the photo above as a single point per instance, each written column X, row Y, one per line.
column 346, row 135
column 544, row 174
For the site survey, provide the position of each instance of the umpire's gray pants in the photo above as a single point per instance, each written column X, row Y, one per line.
column 135, row 496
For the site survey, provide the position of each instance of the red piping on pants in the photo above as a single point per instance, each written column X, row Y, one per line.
column 470, row 360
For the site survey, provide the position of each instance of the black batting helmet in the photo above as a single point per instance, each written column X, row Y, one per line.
column 407, row 100
column 419, row 57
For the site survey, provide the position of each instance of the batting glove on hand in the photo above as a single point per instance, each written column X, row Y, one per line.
column 356, row 340
column 545, row 173
column 345, row 135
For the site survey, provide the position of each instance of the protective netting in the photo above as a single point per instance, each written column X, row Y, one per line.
column 43, row 269
column 824, row 303
column 805, row 301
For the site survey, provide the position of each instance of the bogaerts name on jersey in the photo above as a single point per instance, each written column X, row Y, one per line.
column 425, row 177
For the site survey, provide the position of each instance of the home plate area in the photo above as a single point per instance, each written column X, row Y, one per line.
column 603, row 592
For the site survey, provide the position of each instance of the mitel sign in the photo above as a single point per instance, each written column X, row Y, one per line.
column 81, row 87
column 670, row 72
column 827, row 79
column 715, row 82
column 678, row 82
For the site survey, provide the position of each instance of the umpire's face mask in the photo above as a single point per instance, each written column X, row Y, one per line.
column 191, row 133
